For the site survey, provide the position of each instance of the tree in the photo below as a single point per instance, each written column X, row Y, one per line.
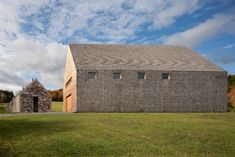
column 6, row 96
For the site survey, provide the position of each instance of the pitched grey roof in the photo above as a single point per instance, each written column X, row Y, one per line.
column 139, row 57
column 35, row 81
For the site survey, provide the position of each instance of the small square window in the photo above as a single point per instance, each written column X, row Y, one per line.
column 117, row 76
column 141, row 76
column 91, row 75
column 165, row 76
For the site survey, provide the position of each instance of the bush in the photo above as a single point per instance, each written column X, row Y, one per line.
column 6, row 96
column 230, row 107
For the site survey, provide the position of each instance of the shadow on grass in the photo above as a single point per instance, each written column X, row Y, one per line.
column 2, row 109
column 12, row 128
column 13, row 131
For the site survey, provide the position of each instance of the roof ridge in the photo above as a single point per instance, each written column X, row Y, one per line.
column 114, row 44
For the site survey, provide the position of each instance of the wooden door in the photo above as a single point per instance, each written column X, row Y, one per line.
column 69, row 103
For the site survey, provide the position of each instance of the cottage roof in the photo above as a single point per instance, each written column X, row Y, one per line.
column 139, row 57
column 33, row 83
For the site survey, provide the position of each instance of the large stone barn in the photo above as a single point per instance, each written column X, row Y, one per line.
column 33, row 98
column 141, row 78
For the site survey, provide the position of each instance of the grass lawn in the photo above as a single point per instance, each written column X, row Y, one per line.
column 57, row 106
column 119, row 134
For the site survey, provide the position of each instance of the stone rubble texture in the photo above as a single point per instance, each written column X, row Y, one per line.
column 23, row 102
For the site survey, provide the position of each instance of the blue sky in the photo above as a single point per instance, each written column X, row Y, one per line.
column 34, row 34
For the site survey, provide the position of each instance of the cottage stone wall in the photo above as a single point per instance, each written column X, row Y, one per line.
column 186, row 91
column 23, row 102
column 35, row 90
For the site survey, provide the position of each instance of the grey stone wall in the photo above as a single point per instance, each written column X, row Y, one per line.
column 23, row 102
column 26, row 98
column 184, row 92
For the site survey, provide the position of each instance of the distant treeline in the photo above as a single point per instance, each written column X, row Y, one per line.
column 57, row 95
column 231, row 81
column 6, row 96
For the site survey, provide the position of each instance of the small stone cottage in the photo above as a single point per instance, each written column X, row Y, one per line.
column 33, row 98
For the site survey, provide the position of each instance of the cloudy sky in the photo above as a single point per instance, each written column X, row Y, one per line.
column 34, row 34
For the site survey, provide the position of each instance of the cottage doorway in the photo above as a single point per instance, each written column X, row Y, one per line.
column 68, row 103
column 35, row 104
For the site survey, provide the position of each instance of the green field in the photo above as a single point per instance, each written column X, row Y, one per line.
column 57, row 106
column 119, row 134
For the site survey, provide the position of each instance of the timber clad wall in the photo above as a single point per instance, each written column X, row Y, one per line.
column 70, row 88
column 195, row 85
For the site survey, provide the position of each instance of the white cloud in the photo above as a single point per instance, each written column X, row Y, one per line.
column 194, row 36
column 24, row 59
column 31, row 31
column 229, row 46
column 168, row 15
column 10, row 87
column 107, row 19
column 22, row 56
column 28, row 58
